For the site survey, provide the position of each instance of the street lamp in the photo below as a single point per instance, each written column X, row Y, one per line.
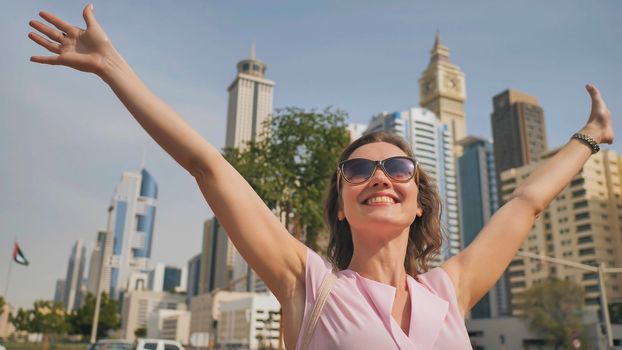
column 601, row 270
column 105, row 252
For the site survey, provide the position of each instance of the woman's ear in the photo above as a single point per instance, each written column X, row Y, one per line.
column 341, row 215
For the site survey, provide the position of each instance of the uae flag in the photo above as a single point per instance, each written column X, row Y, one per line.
column 18, row 256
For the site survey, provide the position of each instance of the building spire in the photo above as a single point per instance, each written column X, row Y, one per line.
column 439, row 51
column 253, row 50
column 437, row 40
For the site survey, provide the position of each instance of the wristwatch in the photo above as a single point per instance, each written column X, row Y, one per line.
column 587, row 140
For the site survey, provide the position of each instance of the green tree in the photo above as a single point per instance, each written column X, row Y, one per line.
column 109, row 318
column 1, row 304
column 291, row 165
column 46, row 317
column 553, row 310
column 140, row 332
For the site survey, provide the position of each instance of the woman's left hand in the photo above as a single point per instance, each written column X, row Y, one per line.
column 598, row 125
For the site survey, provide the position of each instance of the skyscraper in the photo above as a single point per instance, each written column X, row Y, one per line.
column 59, row 291
column 194, row 274
column 250, row 106
column 478, row 201
column 95, row 265
column 216, row 257
column 73, row 282
column 245, row 279
column 517, row 129
column 432, row 143
column 519, row 139
column 132, row 220
column 442, row 90
column 250, row 102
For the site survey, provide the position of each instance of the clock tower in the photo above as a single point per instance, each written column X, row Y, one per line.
column 442, row 90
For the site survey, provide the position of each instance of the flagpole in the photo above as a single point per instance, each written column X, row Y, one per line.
column 8, row 278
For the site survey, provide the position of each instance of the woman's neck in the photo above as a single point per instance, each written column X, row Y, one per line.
column 380, row 259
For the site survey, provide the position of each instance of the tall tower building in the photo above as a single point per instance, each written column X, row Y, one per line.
column 432, row 143
column 250, row 102
column 245, row 279
column 194, row 274
column 104, row 239
column 132, row 219
column 582, row 224
column 217, row 256
column 478, row 201
column 442, row 90
column 59, row 291
column 517, row 129
column 72, row 298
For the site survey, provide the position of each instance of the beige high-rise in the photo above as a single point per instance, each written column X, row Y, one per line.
column 442, row 90
column 582, row 224
column 250, row 102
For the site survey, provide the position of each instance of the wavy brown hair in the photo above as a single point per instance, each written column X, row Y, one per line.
column 425, row 237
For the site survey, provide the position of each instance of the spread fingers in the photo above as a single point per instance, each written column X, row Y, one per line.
column 51, row 33
column 57, row 22
column 49, row 45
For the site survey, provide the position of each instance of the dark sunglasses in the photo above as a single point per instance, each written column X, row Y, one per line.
column 359, row 170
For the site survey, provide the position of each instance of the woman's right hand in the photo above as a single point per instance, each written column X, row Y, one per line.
column 84, row 50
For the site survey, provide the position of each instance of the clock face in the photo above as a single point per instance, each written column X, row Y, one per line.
column 428, row 85
column 452, row 83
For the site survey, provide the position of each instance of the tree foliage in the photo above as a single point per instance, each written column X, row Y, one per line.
column 553, row 310
column 291, row 164
column 1, row 304
column 46, row 316
column 140, row 332
column 109, row 319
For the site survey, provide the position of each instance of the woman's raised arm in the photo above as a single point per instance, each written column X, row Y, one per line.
column 259, row 236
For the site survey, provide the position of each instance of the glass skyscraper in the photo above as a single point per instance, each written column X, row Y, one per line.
column 479, row 200
column 133, row 216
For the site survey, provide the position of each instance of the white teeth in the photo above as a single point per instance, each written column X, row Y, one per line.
column 380, row 199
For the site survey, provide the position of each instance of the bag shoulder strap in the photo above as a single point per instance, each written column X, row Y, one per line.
column 325, row 289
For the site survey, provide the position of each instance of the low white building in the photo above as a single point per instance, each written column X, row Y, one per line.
column 139, row 305
column 205, row 314
column 177, row 327
column 169, row 324
column 249, row 322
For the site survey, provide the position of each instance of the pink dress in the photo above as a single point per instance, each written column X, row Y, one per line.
column 357, row 313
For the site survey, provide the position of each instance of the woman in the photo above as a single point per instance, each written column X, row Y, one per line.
column 382, row 211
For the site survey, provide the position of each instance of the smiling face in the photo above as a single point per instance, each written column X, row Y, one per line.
column 379, row 204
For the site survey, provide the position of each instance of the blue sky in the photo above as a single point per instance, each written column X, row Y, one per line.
column 65, row 139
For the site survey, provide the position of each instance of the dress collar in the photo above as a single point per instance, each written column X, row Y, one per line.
column 426, row 314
